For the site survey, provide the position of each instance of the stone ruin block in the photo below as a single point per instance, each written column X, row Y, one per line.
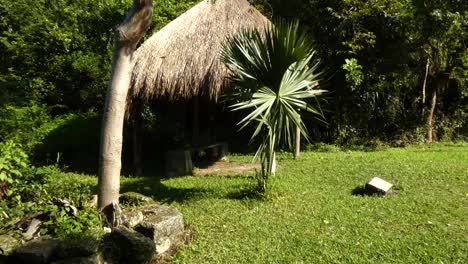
column 178, row 163
column 378, row 185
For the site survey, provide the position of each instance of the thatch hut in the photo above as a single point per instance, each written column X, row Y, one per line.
column 183, row 59
column 181, row 65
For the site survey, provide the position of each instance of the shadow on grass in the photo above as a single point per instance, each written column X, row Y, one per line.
column 154, row 187
column 362, row 191
column 246, row 194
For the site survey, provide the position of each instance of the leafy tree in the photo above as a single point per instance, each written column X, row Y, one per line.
column 52, row 51
column 376, row 51
column 441, row 33
column 59, row 52
column 273, row 78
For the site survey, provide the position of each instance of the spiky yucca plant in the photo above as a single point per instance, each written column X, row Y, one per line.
column 274, row 73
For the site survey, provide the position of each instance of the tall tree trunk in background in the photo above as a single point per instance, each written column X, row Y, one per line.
column 127, row 35
column 423, row 101
column 441, row 82
column 430, row 117
column 297, row 143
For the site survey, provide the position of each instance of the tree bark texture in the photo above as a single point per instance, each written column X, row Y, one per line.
column 430, row 117
column 441, row 82
column 127, row 35
column 425, row 82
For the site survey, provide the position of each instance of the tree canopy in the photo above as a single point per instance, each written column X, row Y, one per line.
column 57, row 54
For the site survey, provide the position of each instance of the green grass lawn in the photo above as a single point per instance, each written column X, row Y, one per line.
column 311, row 215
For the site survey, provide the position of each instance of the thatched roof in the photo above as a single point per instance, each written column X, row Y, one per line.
column 183, row 59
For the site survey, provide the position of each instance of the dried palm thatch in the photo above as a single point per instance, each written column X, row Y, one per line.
column 183, row 59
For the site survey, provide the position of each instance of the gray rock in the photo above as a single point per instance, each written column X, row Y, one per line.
column 133, row 198
column 93, row 259
column 162, row 224
column 92, row 202
column 8, row 244
column 127, row 246
column 133, row 218
column 76, row 248
column 36, row 251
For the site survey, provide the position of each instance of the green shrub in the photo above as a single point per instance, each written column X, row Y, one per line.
column 29, row 190
column 72, row 139
column 12, row 161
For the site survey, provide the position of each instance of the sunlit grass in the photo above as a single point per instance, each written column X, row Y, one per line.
column 311, row 216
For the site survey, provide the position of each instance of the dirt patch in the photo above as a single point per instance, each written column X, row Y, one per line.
column 224, row 168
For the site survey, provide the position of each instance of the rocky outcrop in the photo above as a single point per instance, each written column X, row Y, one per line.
column 76, row 248
column 164, row 225
column 133, row 218
column 8, row 244
column 150, row 231
column 49, row 250
column 135, row 199
column 38, row 251
column 93, row 259
column 124, row 245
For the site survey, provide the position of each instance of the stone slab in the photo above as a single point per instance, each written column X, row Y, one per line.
column 164, row 225
column 377, row 184
column 38, row 251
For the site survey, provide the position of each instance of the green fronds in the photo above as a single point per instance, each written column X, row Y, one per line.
column 274, row 73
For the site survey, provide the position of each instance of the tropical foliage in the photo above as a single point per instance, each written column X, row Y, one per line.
column 378, row 52
column 274, row 73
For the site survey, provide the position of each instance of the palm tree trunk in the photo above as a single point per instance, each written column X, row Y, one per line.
column 127, row 35
column 297, row 144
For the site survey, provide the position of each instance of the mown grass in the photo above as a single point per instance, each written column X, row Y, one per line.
column 311, row 215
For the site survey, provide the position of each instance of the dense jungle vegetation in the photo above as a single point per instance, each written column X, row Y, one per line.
column 386, row 61
column 396, row 72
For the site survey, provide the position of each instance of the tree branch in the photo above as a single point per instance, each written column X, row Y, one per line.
column 135, row 24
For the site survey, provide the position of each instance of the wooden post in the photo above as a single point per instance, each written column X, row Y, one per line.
column 196, row 121
column 137, row 133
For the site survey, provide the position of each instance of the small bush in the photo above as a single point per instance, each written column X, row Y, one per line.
column 32, row 191
column 12, row 161
column 22, row 124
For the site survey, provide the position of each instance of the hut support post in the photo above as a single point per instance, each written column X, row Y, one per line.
column 127, row 35
column 137, row 134
column 196, row 120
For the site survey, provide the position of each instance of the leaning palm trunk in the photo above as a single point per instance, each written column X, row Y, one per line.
column 127, row 35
